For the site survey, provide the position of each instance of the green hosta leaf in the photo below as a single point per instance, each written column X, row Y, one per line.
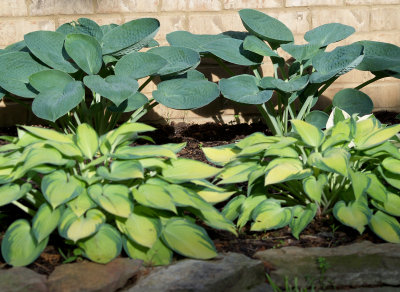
column 284, row 169
column 376, row 189
column 383, row 149
column 292, row 85
column 188, row 239
column 254, row 44
column 87, row 140
column 182, row 169
column 154, row 196
column 231, row 50
column 265, row 27
column 391, row 205
column 356, row 214
column 301, row 52
column 220, row 155
column 19, row 247
column 270, row 215
column 138, row 65
column 50, row 80
column 237, row 173
column 192, row 41
column 328, row 33
column 48, row 47
column 391, row 164
column 45, row 221
column 13, row 192
column 115, row 199
column 391, row 178
column 232, row 210
column 317, row 118
column 158, row 255
column 115, row 88
column 182, row 197
column 185, row 93
column 131, row 36
column 48, row 134
column 282, row 152
column 142, row 229
column 353, row 102
column 334, row 159
column 121, row 170
column 244, row 89
column 257, row 138
column 374, row 138
column 59, row 188
column 15, row 69
column 310, row 134
column 379, row 56
column 81, row 204
column 179, row 60
column 133, row 102
column 53, row 104
column 302, row 216
column 83, row 26
column 213, row 197
column 143, row 151
column 385, row 226
column 360, row 183
column 74, row 228
column 313, row 187
column 104, row 246
column 247, row 209
column 85, row 51
column 41, row 156
column 213, row 218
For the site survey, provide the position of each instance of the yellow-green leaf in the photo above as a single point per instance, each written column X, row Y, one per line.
column 391, row 205
column 270, row 215
column 356, row 214
column 183, row 169
column 386, row 227
column 310, row 134
column 377, row 137
column 87, row 140
column 360, row 183
column 391, row 164
column 313, row 187
column 220, row 155
column 302, row 216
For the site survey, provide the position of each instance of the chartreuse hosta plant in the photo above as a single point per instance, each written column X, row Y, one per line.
column 352, row 170
column 302, row 79
column 86, row 73
column 103, row 195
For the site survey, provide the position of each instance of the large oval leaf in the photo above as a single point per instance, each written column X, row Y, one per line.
column 270, row 215
column 379, row 56
column 313, row 187
column 301, row 52
column 131, row 36
column 220, row 155
column 356, row 214
column 186, row 94
column 294, row 84
column 390, row 206
column 266, row 27
column 85, row 51
column 83, row 26
column 310, row 134
column 158, row 255
column 137, row 65
column 121, row 170
column 254, row 44
column 374, row 138
column 232, row 210
column 13, row 192
column 328, row 33
column 87, row 140
column 104, row 246
column 302, row 216
column 154, row 196
column 48, row 47
column 386, row 227
column 391, row 164
column 183, row 169
column 192, row 41
column 81, row 204
column 353, row 101
column 19, row 247
column 317, row 118
column 333, row 160
column 244, row 89
column 188, row 239
column 133, row 102
column 45, row 221
column 47, row 80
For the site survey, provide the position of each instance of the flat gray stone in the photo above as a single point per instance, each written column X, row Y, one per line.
column 230, row 272
column 92, row 277
column 22, row 279
column 356, row 265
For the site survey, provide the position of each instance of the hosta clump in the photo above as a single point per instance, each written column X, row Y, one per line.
column 84, row 72
column 103, row 195
column 351, row 170
column 298, row 82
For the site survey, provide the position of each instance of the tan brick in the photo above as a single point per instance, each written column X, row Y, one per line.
column 392, row 37
column 99, row 19
column 112, row 6
column 296, row 3
column 13, row 8
column 54, row 7
column 191, row 5
column 12, row 31
column 254, row 4
column 385, row 18
column 354, row 76
column 367, row 2
column 214, row 24
column 296, row 21
column 356, row 17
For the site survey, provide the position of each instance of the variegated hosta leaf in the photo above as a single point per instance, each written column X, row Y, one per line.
column 115, row 199
column 81, row 204
column 232, row 210
column 310, row 134
column 385, row 226
column 333, row 160
column 314, row 187
column 182, row 169
column 103, row 246
column 284, row 169
column 376, row 137
column 158, row 255
column 302, row 216
column 121, row 170
column 45, row 221
column 188, row 239
column 270, row 215
column 360, row 183
column 87, row 140
column 257, row 138
column 391, row 178
column 247, row 208
column 356, row 214
column 154, row 196
column 182, row 197
column 213, row 196
column 143, row 151
column 13, row 192
column 48, row 134
column 74, row 228
column 376, row 189
column 237, row 173
column 220, row 155
column 392, row 165
column 390, row 206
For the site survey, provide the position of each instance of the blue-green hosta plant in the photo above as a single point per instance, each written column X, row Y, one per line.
column 352, row 169
column 103, row 195
column 86, row 73
column 298, row 82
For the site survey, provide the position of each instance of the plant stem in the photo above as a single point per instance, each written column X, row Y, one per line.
column 19, row 101
column 367, row 82
column 226, row 68
column 269, row 118
column 145, row 83
column 140, row 112
column 24, row 208
column 325, row 87
column 305, row 107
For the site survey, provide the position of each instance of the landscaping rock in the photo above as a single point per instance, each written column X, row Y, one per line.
column 230, row 272
column 21, row 279
column 356, row 265
column 91, row 277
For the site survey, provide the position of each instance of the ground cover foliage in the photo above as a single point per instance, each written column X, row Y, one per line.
column 87, row 183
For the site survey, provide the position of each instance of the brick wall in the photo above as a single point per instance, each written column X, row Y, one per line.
column 373, row 20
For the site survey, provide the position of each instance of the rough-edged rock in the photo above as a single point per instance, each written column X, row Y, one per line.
column 91, row 277
column 230, row 272
column 356, row 265
column 22, row 279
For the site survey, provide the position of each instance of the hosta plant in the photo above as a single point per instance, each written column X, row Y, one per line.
column 297, row 82
column 351, row 170
column 103, row 195
column 87, row 73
